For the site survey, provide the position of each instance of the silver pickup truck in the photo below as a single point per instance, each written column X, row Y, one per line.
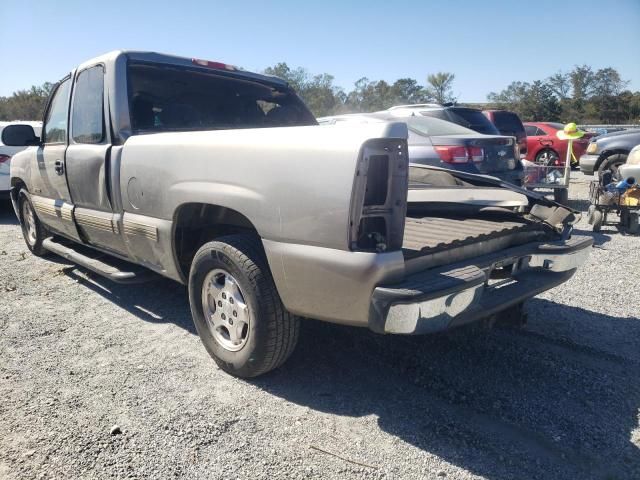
column 221, row 179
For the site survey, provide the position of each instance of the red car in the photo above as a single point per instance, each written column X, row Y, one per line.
column 544, row 147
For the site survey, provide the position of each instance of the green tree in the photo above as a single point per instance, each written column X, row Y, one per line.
column 441, row 87
column 25, row 104
column 560, row 83
column 318, row 92
column 531, row 101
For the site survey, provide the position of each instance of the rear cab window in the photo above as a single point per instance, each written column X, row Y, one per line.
column 164, row 97
column 87, row 119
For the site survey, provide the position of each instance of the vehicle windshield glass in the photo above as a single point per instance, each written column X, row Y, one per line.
column 173, row 98
column 472, row 119
column 433, row 126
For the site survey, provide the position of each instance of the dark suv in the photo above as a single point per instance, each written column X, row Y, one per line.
column 464, row 116
column 509, row 123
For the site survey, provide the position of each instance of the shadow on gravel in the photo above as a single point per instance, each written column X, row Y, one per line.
column 159, row 301
column 580, row 205
column 557, row 401
column 7, row 215
column 502, row 404
column 599, row 238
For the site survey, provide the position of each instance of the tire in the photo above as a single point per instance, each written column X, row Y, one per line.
column 596, row 220
column 611, row 164
column 234, row 267
column 634, row 224
column 561, row 195
column 33, row 231
column 547, row 157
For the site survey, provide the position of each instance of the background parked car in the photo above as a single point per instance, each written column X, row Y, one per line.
column 509, row 123
column 631, row 168
column 608, row 152
column 466, row 117
column 544, row 147
column 7, row 152
column 445, row 144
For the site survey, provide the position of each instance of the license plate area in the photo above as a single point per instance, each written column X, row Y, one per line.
column 504, row 273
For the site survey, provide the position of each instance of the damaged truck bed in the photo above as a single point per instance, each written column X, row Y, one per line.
column 472, row 250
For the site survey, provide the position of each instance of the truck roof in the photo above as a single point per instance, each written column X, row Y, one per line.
column 154, row 57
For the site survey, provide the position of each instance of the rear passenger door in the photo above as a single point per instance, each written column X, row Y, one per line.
column 88, row 161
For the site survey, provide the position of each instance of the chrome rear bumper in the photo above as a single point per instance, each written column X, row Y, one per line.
column 439, row 299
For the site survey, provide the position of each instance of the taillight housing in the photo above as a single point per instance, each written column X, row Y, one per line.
column 4, row 158
column 379, row 198
column 459, row 154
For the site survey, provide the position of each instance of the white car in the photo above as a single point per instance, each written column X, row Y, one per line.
column 7, row 152
column 631, row 168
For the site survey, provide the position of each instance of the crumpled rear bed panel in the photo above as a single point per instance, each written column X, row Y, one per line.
column 430, row 234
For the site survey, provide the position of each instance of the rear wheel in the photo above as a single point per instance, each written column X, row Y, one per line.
column 33, row 231
column 236, row 308
column 634, row 224
column 547, row 157
column 611, row 164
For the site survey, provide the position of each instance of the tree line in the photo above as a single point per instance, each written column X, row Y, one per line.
column 581, row 95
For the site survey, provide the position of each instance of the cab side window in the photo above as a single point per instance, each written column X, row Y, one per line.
column 55, row 128
column 87, row 119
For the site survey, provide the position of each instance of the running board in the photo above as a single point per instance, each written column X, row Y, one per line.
column 114, row 269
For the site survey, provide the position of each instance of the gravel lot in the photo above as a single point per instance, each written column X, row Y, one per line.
column 79, row 355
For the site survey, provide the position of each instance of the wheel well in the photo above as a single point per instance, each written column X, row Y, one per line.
column 545, row 148
column 606, row 154
column 198, row 223
column 17, row 185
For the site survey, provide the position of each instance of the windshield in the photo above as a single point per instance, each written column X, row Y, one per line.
column 430, row 126
column 472, row 119
column 166, row 97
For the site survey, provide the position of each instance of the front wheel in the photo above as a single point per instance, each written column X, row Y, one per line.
column 33, row 231
column 611, row 165
column 236, row 308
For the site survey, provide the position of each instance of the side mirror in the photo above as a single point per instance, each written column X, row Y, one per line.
column 19, row 135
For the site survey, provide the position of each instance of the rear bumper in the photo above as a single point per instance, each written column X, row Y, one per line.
column 440, row 299
column 588, row 163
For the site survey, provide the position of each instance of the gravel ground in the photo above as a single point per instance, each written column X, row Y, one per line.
column 79, row 355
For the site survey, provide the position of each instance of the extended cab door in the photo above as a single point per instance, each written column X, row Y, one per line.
column 88, row 162
column 49, row 193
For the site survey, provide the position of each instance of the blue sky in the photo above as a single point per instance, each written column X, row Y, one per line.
column 487, row 44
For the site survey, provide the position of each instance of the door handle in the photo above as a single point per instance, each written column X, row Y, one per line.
column 59, row 167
